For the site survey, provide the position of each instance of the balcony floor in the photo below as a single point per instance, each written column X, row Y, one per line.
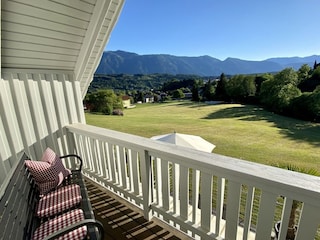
column 122, row 220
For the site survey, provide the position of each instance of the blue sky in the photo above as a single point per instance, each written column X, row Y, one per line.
column 246, row 29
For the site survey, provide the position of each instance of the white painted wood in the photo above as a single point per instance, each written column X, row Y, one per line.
column 248, row 212
column 206, row 201
column 232, row 211
column 184, row 192
column 207, row 164
column 219, row 204
column 266, row 215
column 309, row 222
column 165, row 183
column 195, row 195
column 285, row 218
column 146, row 183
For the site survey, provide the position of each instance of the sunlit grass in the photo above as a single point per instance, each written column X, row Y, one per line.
column 245, row 132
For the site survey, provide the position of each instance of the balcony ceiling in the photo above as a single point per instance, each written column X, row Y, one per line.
column 68, row 35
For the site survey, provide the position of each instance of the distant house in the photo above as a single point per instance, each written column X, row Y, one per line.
column 148, row 99
column 126, row 101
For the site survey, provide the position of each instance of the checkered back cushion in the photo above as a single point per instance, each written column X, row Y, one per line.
column 61, row 222
column 52, row 158
column 48, row 156
column 44, row 175
column 59, row 200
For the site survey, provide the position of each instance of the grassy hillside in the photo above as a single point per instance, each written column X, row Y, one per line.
column 245, row 132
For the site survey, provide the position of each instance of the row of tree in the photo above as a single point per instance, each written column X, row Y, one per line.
column 289, row 92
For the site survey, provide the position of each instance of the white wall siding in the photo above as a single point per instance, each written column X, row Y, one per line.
column 35, row 108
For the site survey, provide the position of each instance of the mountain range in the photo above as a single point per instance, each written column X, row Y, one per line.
column 117, row 62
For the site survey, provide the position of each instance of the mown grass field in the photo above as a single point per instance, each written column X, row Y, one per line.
column 241, row 131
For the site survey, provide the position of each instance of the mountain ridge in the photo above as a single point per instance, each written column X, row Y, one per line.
column 117, row 62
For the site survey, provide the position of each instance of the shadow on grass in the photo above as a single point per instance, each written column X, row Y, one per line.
column 292, row 128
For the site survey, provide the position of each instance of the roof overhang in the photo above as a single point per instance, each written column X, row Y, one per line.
column 67, row 35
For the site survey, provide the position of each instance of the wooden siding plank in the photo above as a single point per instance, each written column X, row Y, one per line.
column 34, row 47
column 39, row 23
column 27, row 38
column 29, row 54
column 46, row 33
column 47, row 13
column 40, row 63
column 80, row 5
column 57, row 8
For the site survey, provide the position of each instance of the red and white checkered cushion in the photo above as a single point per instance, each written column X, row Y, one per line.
column 44, row 175
column 61, row 222
column 41, row 171
column 48, row 156
column 59, row 200
column 54, row 160
column 46, row 187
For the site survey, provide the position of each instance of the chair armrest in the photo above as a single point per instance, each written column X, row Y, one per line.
column 72, row 227
column 74, row 156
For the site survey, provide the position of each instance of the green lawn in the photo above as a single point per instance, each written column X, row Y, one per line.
column 241, row 131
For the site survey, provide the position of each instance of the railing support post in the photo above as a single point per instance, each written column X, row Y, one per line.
column 146, row 184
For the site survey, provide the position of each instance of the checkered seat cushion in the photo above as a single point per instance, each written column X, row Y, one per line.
column 59, row 200
column 60, row 222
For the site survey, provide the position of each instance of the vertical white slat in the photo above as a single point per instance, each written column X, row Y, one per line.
column 95, row 156
column 287, row 205
column 158, row 180
column 8, row 143
column 135, row 172
column 219, row 204
column 195, row 195
column 103, row 160
column 69, row 97
column 48, row 109
column 36, row 112
column 309, row 222
column 111, row 151
column 21, row 106
column 165, row 183
column 266, row 215
column 9, row 116
column 129, row 170
column 108, row 161
column 232, row 210
column 175, row 187
column 184, row 191
column 248, row 212
column 61, row 111
column 206, row 201
column 78, row 101
column 122, row 166
column 146, row 183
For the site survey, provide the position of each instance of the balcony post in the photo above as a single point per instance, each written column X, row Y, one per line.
column 146, row 184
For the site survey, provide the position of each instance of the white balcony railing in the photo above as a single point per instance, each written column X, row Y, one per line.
column 208, row 196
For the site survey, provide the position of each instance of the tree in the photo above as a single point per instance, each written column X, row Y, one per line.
column 104, row 101
column 197, row 84
column 220, row 93
column 277, row 93
column 178, row 94
column 209, row 91
column 240, row 87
